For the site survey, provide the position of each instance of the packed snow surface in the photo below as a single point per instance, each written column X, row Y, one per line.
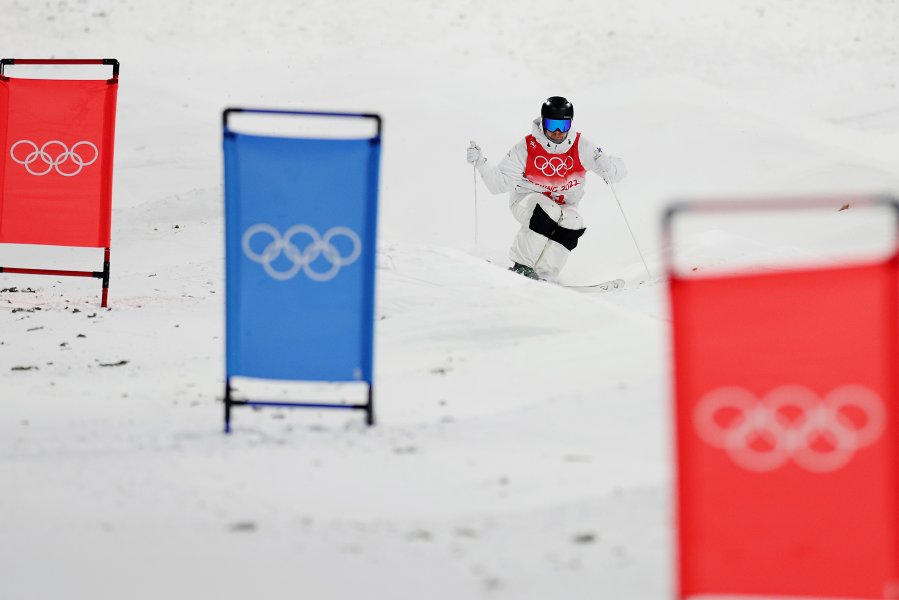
column 523, row 444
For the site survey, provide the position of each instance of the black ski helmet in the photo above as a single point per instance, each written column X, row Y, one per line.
column 557, row 107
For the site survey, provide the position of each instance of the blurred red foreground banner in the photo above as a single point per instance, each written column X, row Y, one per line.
column 57, row 142
column 786, row 429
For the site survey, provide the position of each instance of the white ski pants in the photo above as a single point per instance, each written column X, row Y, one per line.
column 548, row 234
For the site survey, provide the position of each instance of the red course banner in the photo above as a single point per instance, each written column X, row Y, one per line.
column 56, row 179
column 786, row 417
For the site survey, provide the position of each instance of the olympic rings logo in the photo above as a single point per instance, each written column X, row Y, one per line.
column 791, row 422
column 318, row 246
column 45, row 154
column 554, row 166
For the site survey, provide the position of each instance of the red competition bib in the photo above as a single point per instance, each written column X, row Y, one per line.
column 555, row 172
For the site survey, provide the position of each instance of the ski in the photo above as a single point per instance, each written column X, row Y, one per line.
column 605, row 286
column 600, row 288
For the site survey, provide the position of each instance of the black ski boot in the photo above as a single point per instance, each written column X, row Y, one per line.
column 525, row 270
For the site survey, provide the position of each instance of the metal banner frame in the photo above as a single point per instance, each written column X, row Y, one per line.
column 113, row 81
column 701, row 555
column 369, row 257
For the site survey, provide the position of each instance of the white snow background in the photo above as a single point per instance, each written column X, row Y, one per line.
column 523, row 444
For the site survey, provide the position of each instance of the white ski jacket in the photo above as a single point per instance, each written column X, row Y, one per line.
column 509, row 176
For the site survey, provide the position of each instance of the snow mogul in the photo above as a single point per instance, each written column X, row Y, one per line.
column 544, row 174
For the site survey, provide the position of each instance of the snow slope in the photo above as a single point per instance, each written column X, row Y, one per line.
column 522, row 449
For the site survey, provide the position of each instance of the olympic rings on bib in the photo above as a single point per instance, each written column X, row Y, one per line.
column 555, row 166
column 317, row 246
column 791, row 423
column 53, row 155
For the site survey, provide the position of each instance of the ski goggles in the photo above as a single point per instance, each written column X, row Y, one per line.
column 562, row 125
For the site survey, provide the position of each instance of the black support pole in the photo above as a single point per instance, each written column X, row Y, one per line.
column 227, row 406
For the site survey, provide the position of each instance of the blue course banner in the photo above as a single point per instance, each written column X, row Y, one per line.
column 300, row 228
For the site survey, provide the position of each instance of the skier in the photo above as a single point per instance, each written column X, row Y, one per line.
column 544, row 174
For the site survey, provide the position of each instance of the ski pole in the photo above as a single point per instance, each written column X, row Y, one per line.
column 631, row 231
column 474, row 173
